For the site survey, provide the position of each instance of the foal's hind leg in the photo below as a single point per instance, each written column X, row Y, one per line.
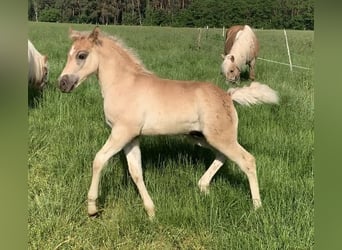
column 246, row 162
column 133, row 155
column 116, row 141
column 234, row 151
column 204, row 182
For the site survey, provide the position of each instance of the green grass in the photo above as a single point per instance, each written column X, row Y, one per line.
column 66, row 131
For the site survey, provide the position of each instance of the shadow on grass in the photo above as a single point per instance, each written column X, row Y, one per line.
column 34, row 97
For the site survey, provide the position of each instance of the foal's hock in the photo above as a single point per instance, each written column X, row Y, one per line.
column 137, row 102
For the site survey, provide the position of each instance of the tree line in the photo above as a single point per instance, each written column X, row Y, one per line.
column 267, row 14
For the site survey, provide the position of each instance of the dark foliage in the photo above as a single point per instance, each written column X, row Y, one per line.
column 268, row 14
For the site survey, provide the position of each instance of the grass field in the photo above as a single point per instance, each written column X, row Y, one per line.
column 66, row 131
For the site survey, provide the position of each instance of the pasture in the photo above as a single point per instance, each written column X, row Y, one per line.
column 66, row 131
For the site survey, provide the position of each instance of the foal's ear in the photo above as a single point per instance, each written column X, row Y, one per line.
column 94, row 35
column 73, row 34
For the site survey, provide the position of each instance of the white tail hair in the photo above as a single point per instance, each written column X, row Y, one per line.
column 255, row 93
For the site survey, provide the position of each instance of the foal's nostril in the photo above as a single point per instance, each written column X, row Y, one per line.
column 63, row 82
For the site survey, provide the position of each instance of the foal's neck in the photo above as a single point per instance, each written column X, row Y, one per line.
column 118, row 64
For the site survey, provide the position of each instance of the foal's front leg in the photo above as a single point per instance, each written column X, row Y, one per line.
column 118, row 138
column 133, row 155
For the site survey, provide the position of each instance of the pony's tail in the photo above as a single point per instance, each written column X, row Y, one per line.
column 254, row 94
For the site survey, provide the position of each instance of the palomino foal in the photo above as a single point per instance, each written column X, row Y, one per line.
column 137, row 102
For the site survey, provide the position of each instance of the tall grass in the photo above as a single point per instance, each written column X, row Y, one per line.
column 66, row 131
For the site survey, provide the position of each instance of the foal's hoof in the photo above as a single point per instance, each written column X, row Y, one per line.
column 204, row 188
column 257, row 204
column 151, row 217
column 151, row 214
column 94, row 215
column 92, row 211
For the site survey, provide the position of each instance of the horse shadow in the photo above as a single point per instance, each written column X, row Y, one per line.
column 244, row 75
column 34, row 97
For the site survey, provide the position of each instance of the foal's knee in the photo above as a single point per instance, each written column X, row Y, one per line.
column 99, row 162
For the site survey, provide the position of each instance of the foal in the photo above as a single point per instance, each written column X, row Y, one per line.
column 137, row 102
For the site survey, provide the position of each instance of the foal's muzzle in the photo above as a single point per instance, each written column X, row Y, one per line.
column 67, row 83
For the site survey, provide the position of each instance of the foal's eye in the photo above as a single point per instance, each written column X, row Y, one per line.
column 82, row 55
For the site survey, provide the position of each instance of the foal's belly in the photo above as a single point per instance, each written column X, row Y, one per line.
column 170, row 124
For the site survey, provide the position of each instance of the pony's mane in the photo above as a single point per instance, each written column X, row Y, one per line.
column 119, row 43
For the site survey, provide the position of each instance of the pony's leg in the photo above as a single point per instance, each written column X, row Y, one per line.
column 116, row 141
column 205, row 180
column 251, row 69
column 133, row 155
column 246, row 162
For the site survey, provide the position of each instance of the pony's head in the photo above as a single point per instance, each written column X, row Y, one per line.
column 82, row 60
column 230, row 69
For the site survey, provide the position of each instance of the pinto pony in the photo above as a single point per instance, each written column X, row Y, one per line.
column 241, row 48
column 38, row 67
column 136, row 102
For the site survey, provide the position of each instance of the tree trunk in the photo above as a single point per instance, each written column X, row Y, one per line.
column 139, row 12
column 35, row 8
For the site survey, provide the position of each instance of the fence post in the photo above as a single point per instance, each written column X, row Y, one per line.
column 288, row 50
column 199, row 38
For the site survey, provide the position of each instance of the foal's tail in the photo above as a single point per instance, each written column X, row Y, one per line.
column 254, row 94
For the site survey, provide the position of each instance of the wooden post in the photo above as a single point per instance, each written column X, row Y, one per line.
column 199, row 38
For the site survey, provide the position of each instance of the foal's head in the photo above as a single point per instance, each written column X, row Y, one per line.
column 82, row 59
